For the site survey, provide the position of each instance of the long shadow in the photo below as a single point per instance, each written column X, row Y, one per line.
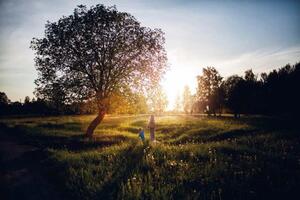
column 70, row 143
column 134, row 156
column 34, row 164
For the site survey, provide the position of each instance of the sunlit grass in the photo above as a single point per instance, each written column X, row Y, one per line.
column 194, row 157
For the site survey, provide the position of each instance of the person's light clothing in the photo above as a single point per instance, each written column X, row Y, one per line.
column 151, row 126
column 152, row 137
column 151, row 123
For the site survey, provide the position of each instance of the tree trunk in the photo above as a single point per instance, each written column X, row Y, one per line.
column 93, row 125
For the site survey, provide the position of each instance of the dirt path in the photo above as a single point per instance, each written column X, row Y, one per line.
column 22, row 171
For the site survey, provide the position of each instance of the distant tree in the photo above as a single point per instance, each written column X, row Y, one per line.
column 250, row 76
column 158, row 101
column 178, row 104
column 251, row 93
column 280, row 88
column 294, row 97
column 208, row 84
column 4, row 103
column 218, row 98
column 87, row 107
column 234, row 94
column 264, row 77
column 187, row 100
column 16, row 108
column 194, row 107
column 95, row 53
column 139, row 104
column 27, row 100
column 4, row 100
column 130, row 103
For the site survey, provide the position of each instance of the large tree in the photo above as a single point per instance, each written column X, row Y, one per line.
column 95, row 53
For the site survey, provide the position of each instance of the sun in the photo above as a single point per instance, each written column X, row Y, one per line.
column 174, row 81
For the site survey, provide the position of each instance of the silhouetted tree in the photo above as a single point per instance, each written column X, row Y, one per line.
column 27, row 100
column 250, row 76
column 218, row 98
column 208, row 84
column 264, row 77
column 251, row 92
column 280, row 88
column 4, row 101
column 233, row 90
column 96, row 52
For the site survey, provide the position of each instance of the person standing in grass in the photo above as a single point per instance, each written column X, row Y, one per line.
column 151, row 126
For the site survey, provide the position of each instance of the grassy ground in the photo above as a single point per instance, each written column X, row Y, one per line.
column 194, row 158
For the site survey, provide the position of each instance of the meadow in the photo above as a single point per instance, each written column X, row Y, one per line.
column 195, row 157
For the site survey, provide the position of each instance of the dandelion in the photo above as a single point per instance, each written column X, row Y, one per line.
column 191, row 154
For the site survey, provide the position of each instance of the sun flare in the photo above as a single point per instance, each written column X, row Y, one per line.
column 180, row 74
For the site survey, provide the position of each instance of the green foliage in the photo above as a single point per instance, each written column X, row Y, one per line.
column 194, row 157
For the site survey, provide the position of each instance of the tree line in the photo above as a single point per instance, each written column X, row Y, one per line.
column 131, row 103
column 273, row 93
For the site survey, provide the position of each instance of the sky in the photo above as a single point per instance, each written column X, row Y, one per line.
column 232, row 36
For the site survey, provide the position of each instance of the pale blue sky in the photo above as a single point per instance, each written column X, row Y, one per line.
column 231, row 35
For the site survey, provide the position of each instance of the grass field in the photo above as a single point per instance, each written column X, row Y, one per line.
column 194, row 157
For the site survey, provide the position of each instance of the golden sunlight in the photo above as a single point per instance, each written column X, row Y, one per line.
column 175, row 79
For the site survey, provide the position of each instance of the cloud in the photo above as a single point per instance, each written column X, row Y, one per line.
column 262, row 60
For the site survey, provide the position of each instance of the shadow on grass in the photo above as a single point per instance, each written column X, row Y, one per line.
column 263, row 172
column 256, row 126
column 35, row 137
column 134, row 156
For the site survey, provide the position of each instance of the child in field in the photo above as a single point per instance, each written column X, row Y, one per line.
column 142, row 134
